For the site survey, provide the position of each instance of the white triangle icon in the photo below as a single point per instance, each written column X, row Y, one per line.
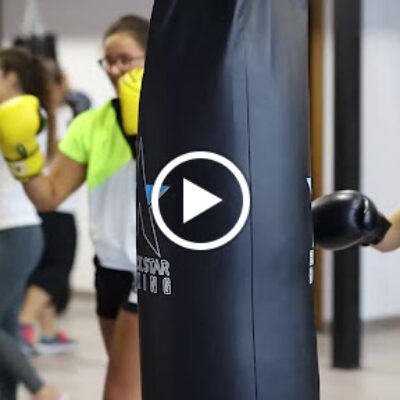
column 196, row 200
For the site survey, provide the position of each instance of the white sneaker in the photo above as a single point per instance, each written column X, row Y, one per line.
column 60, row 344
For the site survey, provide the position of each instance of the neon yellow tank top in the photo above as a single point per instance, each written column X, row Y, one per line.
column 96, row 140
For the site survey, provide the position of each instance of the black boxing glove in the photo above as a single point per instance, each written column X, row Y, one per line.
column 347, row 218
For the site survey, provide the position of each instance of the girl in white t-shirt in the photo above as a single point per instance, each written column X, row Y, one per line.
column 21, row 240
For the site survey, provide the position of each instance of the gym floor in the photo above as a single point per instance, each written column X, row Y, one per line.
column 81, row 375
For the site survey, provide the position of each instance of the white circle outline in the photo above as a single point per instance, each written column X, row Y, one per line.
column 201, row 155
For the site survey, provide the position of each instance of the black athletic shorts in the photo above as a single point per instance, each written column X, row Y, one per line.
column 52, row 274
column 131, row 302
column 113, row 291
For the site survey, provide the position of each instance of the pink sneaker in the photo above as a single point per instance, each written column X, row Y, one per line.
column 28, row 340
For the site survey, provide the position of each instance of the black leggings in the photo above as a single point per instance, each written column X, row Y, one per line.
column 52, row 274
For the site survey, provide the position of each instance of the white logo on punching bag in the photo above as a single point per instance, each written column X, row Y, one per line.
column 152, row 273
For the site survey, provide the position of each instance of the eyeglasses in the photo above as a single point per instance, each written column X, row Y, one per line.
column 122, row 63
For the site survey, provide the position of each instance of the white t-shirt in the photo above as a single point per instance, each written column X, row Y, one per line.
column 96, row 140
column 16, row 210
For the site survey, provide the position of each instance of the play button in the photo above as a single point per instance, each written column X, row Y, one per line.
column 196, row 200
column 212, row 180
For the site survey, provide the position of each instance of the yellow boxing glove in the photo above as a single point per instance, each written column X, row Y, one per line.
column 20, row 122
column 129, row 87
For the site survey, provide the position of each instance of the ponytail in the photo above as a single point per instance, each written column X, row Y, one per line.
column 34, row 79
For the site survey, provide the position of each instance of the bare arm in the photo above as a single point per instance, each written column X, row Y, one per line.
column 392, row 238
column 48, row 191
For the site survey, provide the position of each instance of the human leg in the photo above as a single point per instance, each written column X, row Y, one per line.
column 123, row 375
column 34, row 302
column 112, row 288
column 52, row 340
column 15, row 268
column 19, row 252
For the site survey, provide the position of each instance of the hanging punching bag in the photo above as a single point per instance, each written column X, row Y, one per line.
column 226, row 317
column 43, row 45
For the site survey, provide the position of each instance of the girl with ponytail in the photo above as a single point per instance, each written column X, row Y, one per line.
column 21, row 240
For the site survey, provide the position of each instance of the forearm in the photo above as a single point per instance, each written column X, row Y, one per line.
column 42, row 191
column 48, row 191
column 391, row 240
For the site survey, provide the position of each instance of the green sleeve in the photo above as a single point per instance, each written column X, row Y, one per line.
column 75, row 143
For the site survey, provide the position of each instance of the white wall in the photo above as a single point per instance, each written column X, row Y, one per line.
column 380, row 294
column 381, row 144
column 79, row 26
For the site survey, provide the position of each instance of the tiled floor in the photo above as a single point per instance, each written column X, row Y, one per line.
column 82, row 374
column 379, row 378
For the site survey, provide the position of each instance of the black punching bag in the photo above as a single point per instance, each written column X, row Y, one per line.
column 235, row 322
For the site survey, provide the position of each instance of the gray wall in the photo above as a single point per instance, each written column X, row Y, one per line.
column 73, row 17
column 1, row 20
